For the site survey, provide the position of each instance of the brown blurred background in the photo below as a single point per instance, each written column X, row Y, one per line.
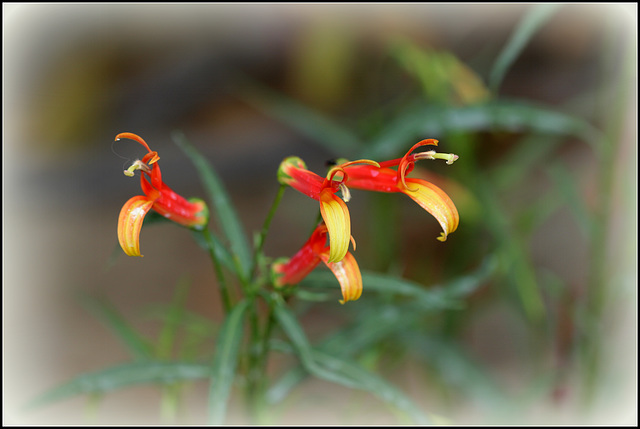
column 77, row 75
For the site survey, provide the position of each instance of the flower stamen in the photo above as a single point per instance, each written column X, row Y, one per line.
column 432, row 154
column 346, row 194
column 406, row 164
column 137, row 165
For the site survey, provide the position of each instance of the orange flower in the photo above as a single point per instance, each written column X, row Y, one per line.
column 293, row 270
column 334, row 211
column 430, row 197
column 191, row 213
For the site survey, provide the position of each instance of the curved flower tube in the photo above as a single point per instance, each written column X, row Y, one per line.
column 191, row 213
column 334, row 211
column 430, row 197
column 293, row 270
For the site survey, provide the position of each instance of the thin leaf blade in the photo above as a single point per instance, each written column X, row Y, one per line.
column 175, row 314
column 109, row 315
column 436, row 297
column 227, row 216
column 569, row 189
column 372, row 383
column 125, row 375
column 313, row 124
column 225, row 363
column 341, row 371
column 424, row 121
column 530, row 24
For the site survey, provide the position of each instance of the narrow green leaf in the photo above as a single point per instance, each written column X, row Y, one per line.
column 175, row 314
column 532, row 217
column 220, row 251
column 281, row 388
column 512, row 252
column 339, row 370
column 453, row 365
column 199, row 331
column 443, row 77
column 223, row 369
column 530, row 24
column 426, row 297
column 373, row 384
column 300, row 117
column 295, row 332
column 109, row 315
column 569, row 189
column 373, row 326
column 227, row 216
column 125, row 375
column 444, row 296
column 527, row 154
column 424, row 121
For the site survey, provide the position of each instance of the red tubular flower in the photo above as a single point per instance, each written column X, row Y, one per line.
column 191, row 213
column 293, row 172
column 293, row 270
column 384, row 179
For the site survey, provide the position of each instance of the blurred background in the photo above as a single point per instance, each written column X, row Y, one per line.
column 545, row 185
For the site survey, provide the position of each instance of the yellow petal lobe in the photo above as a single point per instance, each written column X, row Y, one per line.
column 435, row 201
column 336, row 217
column 348, row 274
column 130, row 223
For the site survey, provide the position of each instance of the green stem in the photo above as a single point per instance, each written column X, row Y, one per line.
column 258, row 357
column 253, row 376
column 222, row 283
column 265, row 227
column 265, row 341
column 256, row 353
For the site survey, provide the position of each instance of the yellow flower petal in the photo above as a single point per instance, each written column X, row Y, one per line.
column 435, row 201
column 348, row 274
column 130, row 223
column 336, row 217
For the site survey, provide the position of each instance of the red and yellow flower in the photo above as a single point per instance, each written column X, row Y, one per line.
column 192, row 213
column 293, row 270
column 334, row 211
column 384, row 179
